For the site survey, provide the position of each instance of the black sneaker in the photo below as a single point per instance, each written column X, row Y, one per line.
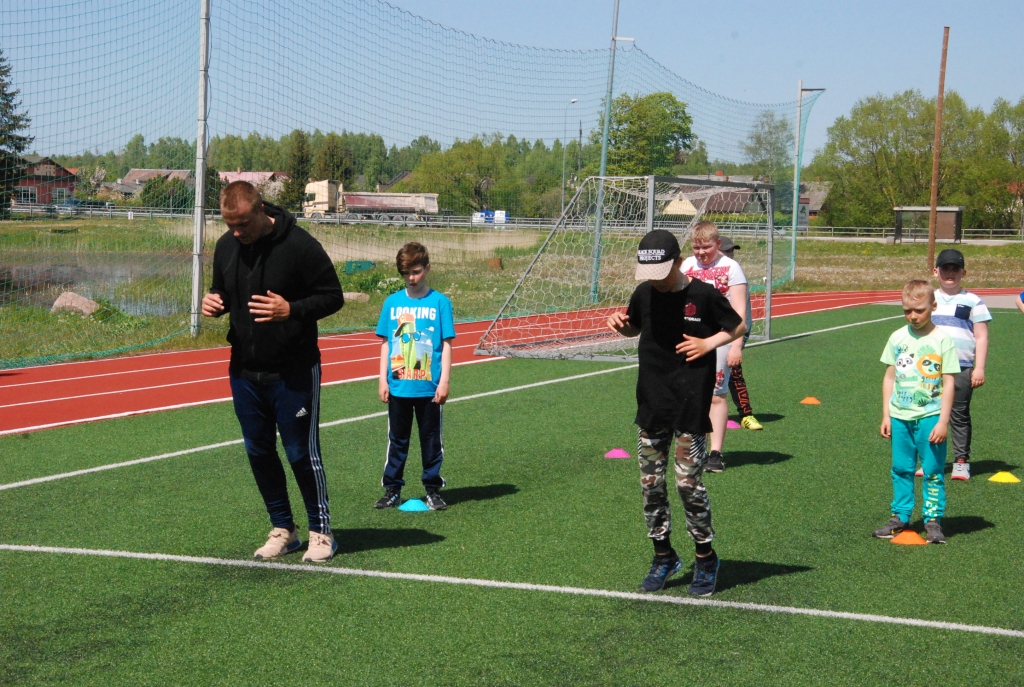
column 891, row 528
column 662, row 568
column 392, row 497
column 705, row 575
column 714, row 462
column 934, row 531
column 435, row 501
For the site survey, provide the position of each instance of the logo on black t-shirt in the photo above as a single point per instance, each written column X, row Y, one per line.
column 690, row 313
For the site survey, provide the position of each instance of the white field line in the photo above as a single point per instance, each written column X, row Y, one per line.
column 523, row 586
column 114, row 392
column 192, row 404
column 334, row 423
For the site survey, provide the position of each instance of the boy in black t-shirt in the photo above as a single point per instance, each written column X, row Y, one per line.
column 680, row 322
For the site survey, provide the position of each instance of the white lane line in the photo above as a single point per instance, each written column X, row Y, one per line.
column 821, row 331
column 192, row 404
column 114, row 392
column 522, row 586
column 219, row 361
column 333, row 423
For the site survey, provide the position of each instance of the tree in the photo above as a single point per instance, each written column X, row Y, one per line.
column 172, row 194
column 13, row 143
column 333, row 160
column 769, row 144
column 299, row 159
column 880, row 156
column 647, row 134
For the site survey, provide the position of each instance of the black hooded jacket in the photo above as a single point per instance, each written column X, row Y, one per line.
column 291, row 263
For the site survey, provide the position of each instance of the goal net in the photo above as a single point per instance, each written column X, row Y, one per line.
column 585, row 268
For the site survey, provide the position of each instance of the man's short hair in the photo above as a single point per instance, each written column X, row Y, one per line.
column 704, row 231
column 411, row 255
column 917, row 289
column 240, row 193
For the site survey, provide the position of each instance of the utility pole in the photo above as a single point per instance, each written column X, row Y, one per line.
column 199, row 209
column 932, row 212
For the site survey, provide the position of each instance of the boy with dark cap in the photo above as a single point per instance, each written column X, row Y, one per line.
column 965, row 318
column 681, row 323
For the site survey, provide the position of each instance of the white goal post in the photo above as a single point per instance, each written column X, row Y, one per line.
column 584, row 269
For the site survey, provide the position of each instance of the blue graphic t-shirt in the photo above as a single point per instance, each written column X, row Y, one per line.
column 415, row 329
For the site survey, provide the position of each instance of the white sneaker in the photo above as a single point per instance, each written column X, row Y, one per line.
column 961, row 470
column 279, row 542
column 321, row 548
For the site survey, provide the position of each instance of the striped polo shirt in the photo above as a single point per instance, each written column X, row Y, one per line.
column 957, row 315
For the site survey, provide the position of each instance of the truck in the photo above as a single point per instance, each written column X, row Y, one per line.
column 328, row 200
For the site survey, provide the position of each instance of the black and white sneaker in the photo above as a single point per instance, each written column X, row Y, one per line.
column 714, row 462
column 392, row 498
column 662, row 568
column 435, row 502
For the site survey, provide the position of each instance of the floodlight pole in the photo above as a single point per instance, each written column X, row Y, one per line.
column 797, row 160
column 932, row 211
column 565, row 114
column 199, row 211
column 595, row 268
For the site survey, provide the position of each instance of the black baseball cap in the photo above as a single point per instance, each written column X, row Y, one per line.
column 727, row 244
column 654, row 257
column 950, row 257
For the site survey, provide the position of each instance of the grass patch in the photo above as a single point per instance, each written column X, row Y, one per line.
column 532, row 501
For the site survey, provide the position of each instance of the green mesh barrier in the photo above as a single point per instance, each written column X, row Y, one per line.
column 98, row 153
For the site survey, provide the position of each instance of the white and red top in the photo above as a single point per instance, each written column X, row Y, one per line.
column 722, row 273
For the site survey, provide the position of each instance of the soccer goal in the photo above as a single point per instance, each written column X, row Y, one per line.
column 585, row 267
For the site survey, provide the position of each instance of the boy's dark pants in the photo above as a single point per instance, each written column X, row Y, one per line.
column 290, row 405
column 690, row 455
column 428, row 416
column 738, row 388
column 960, row 417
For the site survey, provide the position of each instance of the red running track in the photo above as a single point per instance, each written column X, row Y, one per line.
column 35, row 398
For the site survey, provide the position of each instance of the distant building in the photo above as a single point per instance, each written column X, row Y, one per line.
column 44, row 182
column 269, row 184
column 139, row 177
column 815, row 192
column 401, row 176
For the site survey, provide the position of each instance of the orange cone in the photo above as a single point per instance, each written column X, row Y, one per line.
column 908, row 538
column 811, row 401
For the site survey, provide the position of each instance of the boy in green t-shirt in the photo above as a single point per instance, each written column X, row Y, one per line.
column 917, row 397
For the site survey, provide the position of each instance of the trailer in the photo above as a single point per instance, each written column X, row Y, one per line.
column 328, row 200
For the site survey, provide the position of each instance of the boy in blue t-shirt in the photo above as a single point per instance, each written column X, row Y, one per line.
column 415, row 365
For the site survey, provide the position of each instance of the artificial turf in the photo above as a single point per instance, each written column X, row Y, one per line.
column 532, row 500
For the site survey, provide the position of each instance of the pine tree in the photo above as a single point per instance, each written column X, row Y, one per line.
column 299, row 163
column 12, row 143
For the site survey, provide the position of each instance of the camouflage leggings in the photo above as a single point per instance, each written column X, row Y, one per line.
column 691, row 453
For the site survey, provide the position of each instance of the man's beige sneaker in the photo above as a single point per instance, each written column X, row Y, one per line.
column 279, row 542
column 321, row 548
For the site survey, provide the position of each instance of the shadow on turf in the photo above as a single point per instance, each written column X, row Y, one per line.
column 367, row 539
column 762, row 417
column 738, row 573
column 482, row 493
column 740, row 458
column 964, row 524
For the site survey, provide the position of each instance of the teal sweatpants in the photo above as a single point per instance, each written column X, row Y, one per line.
column 910, row 441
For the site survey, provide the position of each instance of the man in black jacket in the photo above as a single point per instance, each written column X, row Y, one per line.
column 275, row 281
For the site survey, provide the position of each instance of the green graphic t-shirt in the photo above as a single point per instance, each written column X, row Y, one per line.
column 920, row 362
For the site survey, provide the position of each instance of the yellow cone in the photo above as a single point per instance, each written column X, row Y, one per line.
column 1004, row 477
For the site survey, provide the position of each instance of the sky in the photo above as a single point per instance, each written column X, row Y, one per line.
column 758, row 51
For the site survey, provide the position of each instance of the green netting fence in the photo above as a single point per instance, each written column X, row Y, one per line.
column 98, row 162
